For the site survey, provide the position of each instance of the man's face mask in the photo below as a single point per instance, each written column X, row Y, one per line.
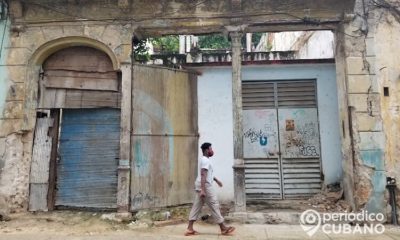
column 210, row 153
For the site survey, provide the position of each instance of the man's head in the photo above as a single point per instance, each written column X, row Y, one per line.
column 207, row 149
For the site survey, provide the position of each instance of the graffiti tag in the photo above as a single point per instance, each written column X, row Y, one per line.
column 256, row 136
column 308, row 151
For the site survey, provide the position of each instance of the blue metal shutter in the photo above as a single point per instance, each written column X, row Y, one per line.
column 88, row 158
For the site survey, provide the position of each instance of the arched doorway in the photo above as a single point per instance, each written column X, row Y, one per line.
column 80, row 90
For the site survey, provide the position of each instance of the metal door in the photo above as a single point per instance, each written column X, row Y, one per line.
column 164, row 137
column 88, row 158
column 281, row 139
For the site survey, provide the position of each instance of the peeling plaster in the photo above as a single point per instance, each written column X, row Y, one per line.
column 4, row 81
column 377, row 198
column 373, row 159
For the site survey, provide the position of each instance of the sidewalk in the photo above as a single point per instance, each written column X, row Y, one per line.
column 85, row 226
column 250, row 231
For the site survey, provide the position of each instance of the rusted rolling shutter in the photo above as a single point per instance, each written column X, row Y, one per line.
column 88, row 161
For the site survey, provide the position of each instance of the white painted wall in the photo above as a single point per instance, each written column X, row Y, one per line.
column 215, row 114
column 284, row 41
column 308, row 44
column 321, row 44
column 215, row 124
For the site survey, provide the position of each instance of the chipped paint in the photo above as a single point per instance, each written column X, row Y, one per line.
column 4, row 75
column 153, row 113
column 141, row 161
column 373, row 159
column 376, row 199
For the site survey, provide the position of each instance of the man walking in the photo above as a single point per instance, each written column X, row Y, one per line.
column 205, row 193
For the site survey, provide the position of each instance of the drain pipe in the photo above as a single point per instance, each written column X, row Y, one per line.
column 391, row 186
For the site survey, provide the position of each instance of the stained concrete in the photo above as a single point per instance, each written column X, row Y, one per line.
column 367, row 55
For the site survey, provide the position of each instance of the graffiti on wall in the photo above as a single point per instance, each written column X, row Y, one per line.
column 303, row 140
column 260, row 136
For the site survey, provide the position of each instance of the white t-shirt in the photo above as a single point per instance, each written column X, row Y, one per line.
column 204, row 162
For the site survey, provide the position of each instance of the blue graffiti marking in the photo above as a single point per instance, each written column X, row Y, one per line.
column 263, row 141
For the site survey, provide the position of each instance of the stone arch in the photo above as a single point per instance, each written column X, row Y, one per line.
column 37, row 59
column 47, row 49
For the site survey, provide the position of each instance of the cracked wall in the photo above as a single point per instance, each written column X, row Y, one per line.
column 19, row 76
column 371, row 63
column 368, row 57
column 387, row 38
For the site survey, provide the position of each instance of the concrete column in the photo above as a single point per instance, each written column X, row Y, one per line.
column 238, row 167
column 182, row 44
column 124, row 170
column 248, row 42
column 188, row 43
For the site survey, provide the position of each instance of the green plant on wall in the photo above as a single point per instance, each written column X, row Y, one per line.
column 141, row 51
column 214, row 41
column 168, row 44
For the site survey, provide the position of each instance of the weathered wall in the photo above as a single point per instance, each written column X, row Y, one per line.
column 320, row 44
column 307, row 44
column 386, row 41
column 14, row 167
column 25, row 49
column 362, row 69
column 367, row 45
column 215, row 118
column 182, row 16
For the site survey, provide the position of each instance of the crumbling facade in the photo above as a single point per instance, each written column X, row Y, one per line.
column 366, row 33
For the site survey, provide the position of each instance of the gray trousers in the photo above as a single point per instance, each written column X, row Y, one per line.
column 212, row 202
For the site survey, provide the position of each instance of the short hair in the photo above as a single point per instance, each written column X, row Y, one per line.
column 205, row 146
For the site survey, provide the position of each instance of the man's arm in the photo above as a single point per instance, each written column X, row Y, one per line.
column 203, row 182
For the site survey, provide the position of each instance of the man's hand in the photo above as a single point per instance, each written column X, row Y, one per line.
column 202, row 193
column 219, row 183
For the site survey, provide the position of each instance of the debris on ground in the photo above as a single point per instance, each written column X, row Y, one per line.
column 330, row 200
column 110, row 217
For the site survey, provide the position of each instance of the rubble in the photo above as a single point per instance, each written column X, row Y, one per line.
column 330, row 200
